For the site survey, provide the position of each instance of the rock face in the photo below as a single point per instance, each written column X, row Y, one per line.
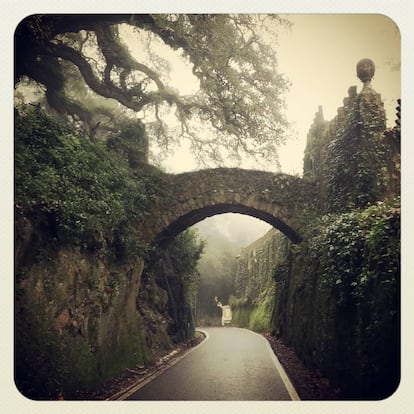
column 77, row 318
column 82, row 318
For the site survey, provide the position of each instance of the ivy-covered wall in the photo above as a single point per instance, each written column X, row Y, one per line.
column 353, row 159
column 342, row 300
column 253, row 303
column 335, row 297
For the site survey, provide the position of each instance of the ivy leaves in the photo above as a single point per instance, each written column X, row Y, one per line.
column 356, row 156
column 357, row 250
column 80, row 193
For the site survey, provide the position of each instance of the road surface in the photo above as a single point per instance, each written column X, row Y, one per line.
column 230, row 364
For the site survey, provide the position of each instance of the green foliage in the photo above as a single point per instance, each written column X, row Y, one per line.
column 77, row 192
column 241, row 315
column 347, row 300
column 131, row 143
column 186, row 251
column 175, row 273
column 260, row 318
column 356, row 157
column 352, row 246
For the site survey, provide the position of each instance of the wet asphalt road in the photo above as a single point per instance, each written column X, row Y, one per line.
column 231, row 364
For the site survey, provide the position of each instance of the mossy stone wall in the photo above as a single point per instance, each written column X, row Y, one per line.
column 76, row 323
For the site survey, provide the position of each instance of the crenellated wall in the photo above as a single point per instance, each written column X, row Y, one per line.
column 353, row 158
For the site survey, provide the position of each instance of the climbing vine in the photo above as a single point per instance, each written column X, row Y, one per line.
column 356, row 156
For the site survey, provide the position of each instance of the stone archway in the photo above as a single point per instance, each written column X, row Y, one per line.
column 191, row 197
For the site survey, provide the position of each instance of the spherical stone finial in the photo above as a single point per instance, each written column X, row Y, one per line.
column 365, row 69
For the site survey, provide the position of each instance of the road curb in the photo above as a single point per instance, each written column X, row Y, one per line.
column 131, row 389
column 285, row 378
column 283, row 375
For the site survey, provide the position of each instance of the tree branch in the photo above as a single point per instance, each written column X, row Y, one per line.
column 135, row 101
column 107, row 90
column 116, row 53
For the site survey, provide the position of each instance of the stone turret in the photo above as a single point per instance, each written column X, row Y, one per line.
column 344, row 155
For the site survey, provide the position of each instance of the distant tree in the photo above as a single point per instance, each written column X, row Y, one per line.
column 88, row 73
column 217, row 269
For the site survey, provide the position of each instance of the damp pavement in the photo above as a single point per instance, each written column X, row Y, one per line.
column 230, row 364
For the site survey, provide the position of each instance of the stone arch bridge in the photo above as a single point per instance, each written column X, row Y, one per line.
column 188, row 198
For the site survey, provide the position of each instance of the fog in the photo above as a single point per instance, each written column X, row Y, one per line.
column 238, row 229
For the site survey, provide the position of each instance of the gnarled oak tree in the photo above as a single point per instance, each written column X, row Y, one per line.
column 88, row 72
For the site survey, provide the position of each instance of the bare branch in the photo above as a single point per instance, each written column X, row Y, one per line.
column 107, row 90
column 116, row 53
